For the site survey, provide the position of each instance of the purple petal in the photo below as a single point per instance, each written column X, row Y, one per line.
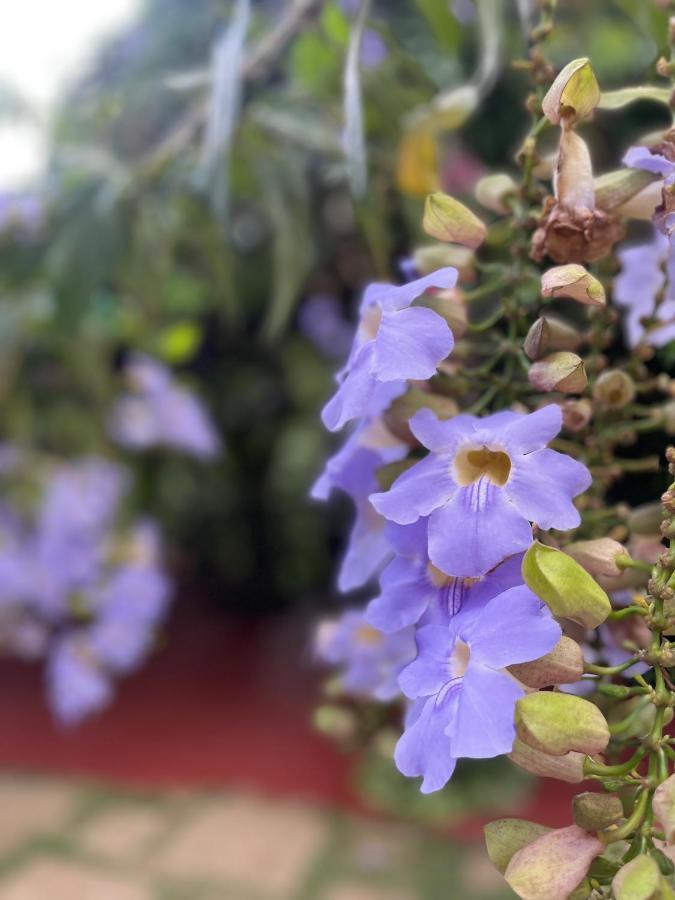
column 514, row 627
column 476, row 530
column 428, row 673
column 367, row 551
column 409, row 540
column 484, row 724
column 506, row 575
column 534, row 431
column 418, row 491
column 410, row 343
column 354, row 393
column 404, row 595
column 440, row 435
column 390, row 297
column 541, row 486
column 424, row 749
column 641, row 158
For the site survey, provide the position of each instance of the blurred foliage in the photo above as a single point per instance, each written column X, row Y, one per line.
column 197, row 194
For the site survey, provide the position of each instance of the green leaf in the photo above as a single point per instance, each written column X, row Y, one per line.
column 567, row 589
column 179, row 342
column 355, row 142
column 444, row 25
column 335, row 23
column 624, row 96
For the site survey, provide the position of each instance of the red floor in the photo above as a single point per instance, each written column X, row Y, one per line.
column 226, row 702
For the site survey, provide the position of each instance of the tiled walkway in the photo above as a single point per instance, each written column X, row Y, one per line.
column 67, row 841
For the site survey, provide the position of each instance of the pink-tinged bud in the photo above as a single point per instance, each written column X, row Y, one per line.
column 403, row 408
column 664, row 807
column 493, row 192
column 598, row 557
column 431, row 257
column 505, row 837
column 640, row 879
column 573, row 95
column 563, row 665
column 593, row 811
column 562, row 371
column 615, row 190
column 577, row 414
column 451, row 305
column 573, row 181
column 554, row 865
column 556, row 723
column 574, row 282
column 614, row 389
column 550, row 333
column 446, row 219
column 569, row 767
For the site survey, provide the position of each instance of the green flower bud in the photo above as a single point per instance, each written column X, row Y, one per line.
column 504, row 837
column 598, row 557
column 446, row 219
column 403, row 408
column 640, row 879
column 567, row 589
column 645, row 519
column 492, row 191
column 615, row 189
column 568, row 767
column 593, row 811
column 573, row 281
column 563, row 665
column 556, row 723
column 573, row 95
column 550, row 333
column 435, row 256
column 561, row 371
column 614, row 389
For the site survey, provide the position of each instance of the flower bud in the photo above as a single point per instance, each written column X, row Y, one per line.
column 573, row 95
column 550, row 333
column 574, row 282
column 553, row 865
column 504, row 837
column 614, row 389
column 446, row 219
column 562, row 665
column 492, row 191
column 573, row 178
column 561, row 371
column 577, row 414
column 451, row 305
column 431, row 257
column 598, row 557
column 593, row 811
column 556, row 723
column 640, row 879
column 403, row 408
column 615, row 189
column 646, row 518
column 335, row 722
column 566, row 588
column 664, row 807
column 642, row 205
column 568, row 767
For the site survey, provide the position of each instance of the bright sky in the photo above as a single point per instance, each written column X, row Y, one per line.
column 44, row 44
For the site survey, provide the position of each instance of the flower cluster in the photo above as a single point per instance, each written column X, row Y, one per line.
column 76, row 588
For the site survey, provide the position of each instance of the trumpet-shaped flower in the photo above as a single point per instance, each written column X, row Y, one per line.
column 464, row 700
column 394, row 342
column 482, row 485
column 371, row 661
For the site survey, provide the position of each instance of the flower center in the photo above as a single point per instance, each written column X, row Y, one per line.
column 437, row 577
column 369, row 636
column 472, row 464
column 459, row 658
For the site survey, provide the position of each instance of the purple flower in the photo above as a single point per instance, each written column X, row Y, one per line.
column 642, row 158
column 394, row 342
column 636, row 288
column 413, row 590
column 321, row 320
column 482, row 484
column 353, row 470
column 464, row 699
column 373, row 49
column 76, row 686
column 371, row 661
column 159, row 412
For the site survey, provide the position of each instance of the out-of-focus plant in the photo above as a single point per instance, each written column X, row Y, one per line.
column 508, row 416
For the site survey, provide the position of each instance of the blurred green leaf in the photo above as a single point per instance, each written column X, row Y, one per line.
column 178, row 343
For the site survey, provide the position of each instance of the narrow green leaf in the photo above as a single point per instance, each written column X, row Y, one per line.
column 355, row 143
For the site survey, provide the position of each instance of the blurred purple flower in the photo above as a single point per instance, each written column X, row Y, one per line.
column 76, row 686
column 465, row 699
column 482, row 485
column 636, row 288
column 321, row 320
column 642, row 158
column 22, row 212
column 371, row 661
column 160, row 413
